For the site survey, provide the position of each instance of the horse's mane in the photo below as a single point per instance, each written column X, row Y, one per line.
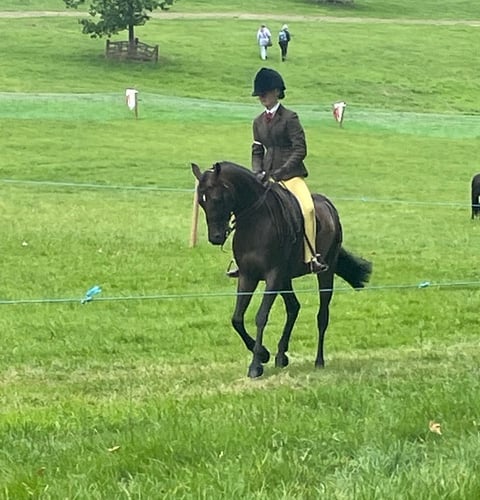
column 230, row 168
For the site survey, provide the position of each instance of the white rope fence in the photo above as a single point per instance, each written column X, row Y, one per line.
column 113, row 187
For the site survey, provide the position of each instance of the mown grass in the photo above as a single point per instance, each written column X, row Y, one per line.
column 408, row 9
column 142, row 393
column 407, row 76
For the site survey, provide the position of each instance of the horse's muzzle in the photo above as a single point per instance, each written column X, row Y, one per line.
column 217, row 238
column 217, row 230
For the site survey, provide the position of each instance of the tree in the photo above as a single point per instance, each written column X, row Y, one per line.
column 117, row 15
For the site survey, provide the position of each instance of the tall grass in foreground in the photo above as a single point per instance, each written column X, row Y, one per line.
column 360, row 429
column 142, row 393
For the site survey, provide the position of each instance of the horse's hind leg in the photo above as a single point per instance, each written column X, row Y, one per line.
column 245, row 291
column 292, row 308
column 325, row 283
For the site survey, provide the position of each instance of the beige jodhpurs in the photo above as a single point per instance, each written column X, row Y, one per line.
column 299, row 188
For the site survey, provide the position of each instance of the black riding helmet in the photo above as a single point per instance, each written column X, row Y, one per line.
column 268, row 79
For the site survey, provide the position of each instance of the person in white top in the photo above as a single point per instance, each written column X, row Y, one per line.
column 264, row 39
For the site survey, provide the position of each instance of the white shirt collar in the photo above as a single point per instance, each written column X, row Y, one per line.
column 273, row 110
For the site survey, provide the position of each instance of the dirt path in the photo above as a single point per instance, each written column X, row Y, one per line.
column 256, row 17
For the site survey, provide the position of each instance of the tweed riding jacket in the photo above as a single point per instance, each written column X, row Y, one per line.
column 279, row 146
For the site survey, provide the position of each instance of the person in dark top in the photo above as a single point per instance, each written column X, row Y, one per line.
column 278, row 151
column 283, row 41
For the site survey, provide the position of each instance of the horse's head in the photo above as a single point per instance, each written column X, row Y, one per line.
column 216, row 198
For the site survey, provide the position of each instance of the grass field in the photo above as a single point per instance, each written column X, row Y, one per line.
column 143, row 393
column 408, row 9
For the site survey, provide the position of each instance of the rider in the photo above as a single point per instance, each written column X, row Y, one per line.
column 278, row 151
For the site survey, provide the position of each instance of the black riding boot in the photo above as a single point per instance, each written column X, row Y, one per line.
column 318, row 265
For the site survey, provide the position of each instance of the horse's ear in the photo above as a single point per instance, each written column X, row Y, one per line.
column 217, row 167
column 196, row 171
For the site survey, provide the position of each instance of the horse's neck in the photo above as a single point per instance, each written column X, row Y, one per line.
column 250, row 204
column 248, row 193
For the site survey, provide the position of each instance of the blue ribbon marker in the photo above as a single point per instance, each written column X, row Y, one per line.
column 424, row 284
column 91, row 293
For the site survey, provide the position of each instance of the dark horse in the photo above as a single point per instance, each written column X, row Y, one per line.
column 268, row 245
column 475, row 196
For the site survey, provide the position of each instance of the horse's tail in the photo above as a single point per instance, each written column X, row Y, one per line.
column 354, row 270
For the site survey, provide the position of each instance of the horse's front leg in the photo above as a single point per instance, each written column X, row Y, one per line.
column 245, row 288
column 292, row 308
column 256, row 369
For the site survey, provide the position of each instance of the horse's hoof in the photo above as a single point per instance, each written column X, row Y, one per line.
column 264, row 355
column 255, row 371
column 319, row 364
column 281, row 360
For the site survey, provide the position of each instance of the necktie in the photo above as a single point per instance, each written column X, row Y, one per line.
column 268, row 116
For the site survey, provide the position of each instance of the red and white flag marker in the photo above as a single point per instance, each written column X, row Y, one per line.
column 338, row 111
column 131, row 99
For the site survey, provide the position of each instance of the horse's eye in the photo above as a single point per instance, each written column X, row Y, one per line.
column 204, row 198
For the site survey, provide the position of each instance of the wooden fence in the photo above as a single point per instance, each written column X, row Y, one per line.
column 137, row 52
